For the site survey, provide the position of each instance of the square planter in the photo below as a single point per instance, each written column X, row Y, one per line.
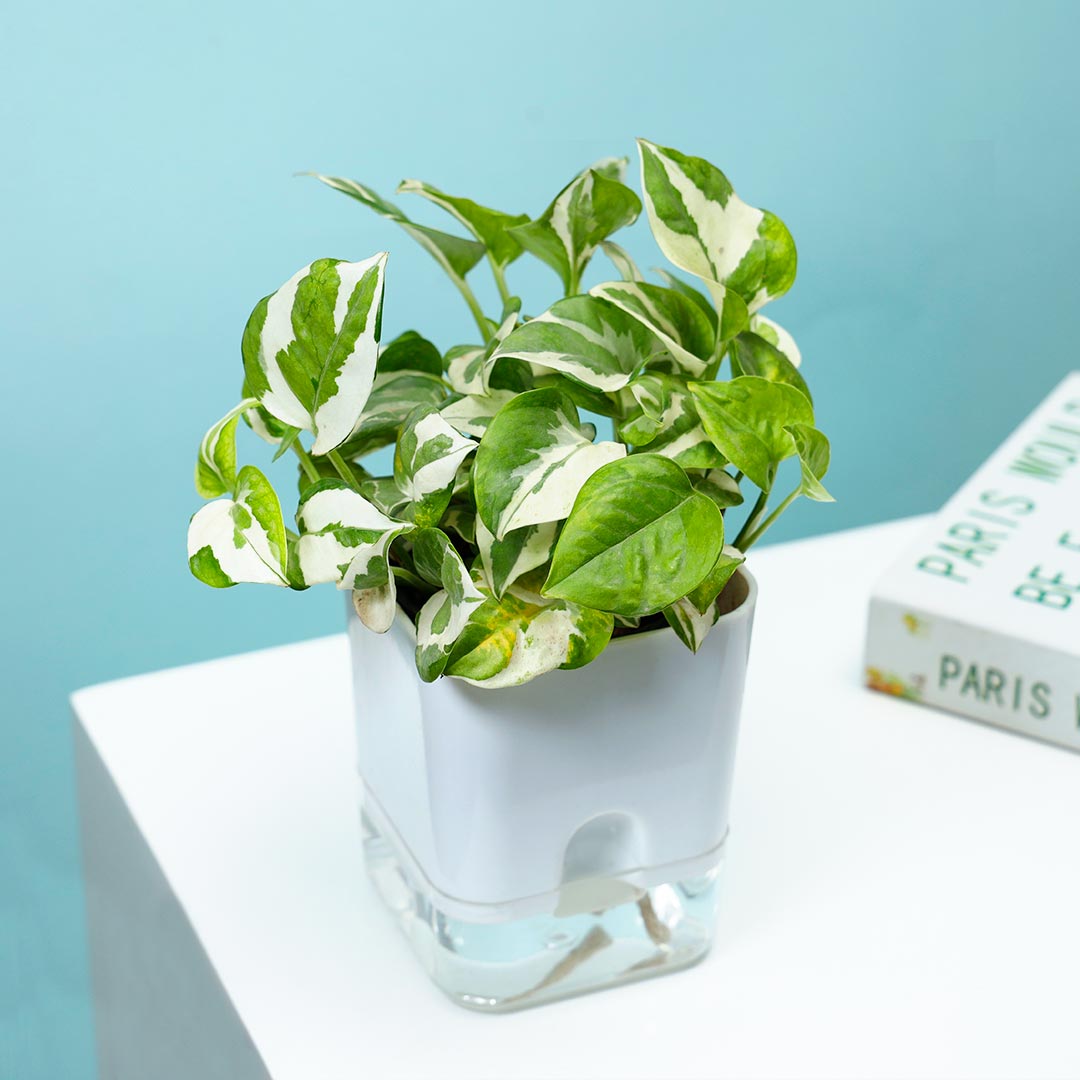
column 556, row 837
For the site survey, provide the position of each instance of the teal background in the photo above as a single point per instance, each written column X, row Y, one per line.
column 925, row 157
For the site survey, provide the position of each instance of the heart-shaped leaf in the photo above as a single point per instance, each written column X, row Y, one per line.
column 585, row 337
column 638, row 538
column 532, row 462
column 747, row 420
column 587, row 211
column 310, row 349
column 240, row 538
column 703, row 227
column 751, row 354
column 410, row 352
column 429, row 452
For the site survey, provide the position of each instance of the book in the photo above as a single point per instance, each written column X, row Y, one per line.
column 981, row 615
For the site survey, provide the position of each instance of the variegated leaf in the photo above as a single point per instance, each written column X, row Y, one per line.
column 462, row 519
column 532, row 462
column 456, row 255
column 693, row 616
column 751, row 354
column 444, row 615
column 681, row 326
column 394, row 395
column 310, row 349
column 511, row 640
column 426, row 462
column 621, row 260
column 666, row 422
column 471, row 413
column 215, row 471
column 384, row 493
column 587, row 211
column 240, row 538
column 345, row 538
column 720, row 486
column 777, row 336
column 506, row 560
column 465, row 366
column 490, row 227
column 703, row 227
column 583, row 336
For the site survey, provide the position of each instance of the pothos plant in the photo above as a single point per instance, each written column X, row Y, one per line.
column 515, row 539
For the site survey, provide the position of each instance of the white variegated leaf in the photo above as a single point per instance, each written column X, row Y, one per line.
column 680, row 325
column 586, row 337
column 690, row 624
column 429, row 452
column 376, row 607
column 465, row 368
column 511, row 640
column 506, row 560
column 472, row 413
column 310, row 349
column 620, row 259
column 215, row 471
column 344, row 538
column 776, row 336
column 703, row 227
column 532, row 462
column 668, row 423
column 241, row 538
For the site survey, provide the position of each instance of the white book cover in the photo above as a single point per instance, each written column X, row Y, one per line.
column 981, row 616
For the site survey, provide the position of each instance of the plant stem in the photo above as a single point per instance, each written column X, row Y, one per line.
column 770, row 520
column 500, row 279
column 474, row 307
column 305, row 462
column 752, row 520
column 342, row 469
column 575, row 282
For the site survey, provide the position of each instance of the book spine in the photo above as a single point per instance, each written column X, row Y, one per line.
column 929, row 658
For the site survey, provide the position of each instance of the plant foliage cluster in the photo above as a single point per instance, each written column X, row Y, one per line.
column 517, row 539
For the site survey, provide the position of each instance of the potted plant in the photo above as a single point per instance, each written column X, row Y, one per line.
column 545, row 762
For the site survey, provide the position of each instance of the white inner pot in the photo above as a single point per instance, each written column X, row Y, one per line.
column 568, row 794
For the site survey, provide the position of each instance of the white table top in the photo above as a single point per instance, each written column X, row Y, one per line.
column 902, row 895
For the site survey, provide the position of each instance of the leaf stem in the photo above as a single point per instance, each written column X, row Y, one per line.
column 305, row 462
column 751, row 521
column 500, row 279
column 474, row 307
column 575, row 282
column 770, row 520
column 342, row 469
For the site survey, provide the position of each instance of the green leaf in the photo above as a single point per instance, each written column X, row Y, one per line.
column 747, row 420
column 667, row 423
column 310, row 349
column 456, row 255
column 813, row 450
column 429, row 452
column 511, row 640
column 444, row 616
column 753, row 355
column 522, row 550
column 638, row 538
column 584, row 337
column 703, row 227
column 620, row 259
column 703, row 595
column 587, row 211
column 532, row 461
column 776, row 335
column 394, row 395
column 678, row 322
column 242, row 538
column 215, row 471
column 696, row 614
column 490, row 227
column 345, row 538
column 410, row 352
